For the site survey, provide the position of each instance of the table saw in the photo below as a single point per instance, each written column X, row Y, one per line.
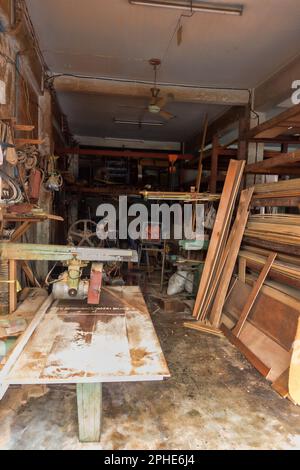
column 84, row 335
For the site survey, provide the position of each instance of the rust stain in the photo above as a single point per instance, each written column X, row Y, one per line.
column 138, row 356
column 68, row 374
column 85, row 326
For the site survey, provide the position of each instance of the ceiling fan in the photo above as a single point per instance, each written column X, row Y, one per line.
column 157, row 102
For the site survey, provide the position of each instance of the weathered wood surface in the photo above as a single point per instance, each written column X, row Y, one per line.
column 76, row 343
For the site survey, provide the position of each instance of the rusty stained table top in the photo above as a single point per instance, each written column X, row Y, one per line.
column 77, row 343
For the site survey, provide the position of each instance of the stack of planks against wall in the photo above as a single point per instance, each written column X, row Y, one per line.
column 257, row 306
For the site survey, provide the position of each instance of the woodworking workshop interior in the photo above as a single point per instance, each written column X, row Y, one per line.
column 150, row 225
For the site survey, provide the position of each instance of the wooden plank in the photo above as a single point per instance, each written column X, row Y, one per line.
column 221, row 226
column 254, row 293
column 271, row 246
column 281, row 385
column 278, row 170
column 294, row 376
column 21, row 142
column 242, row 269
column 252, row 358
column 21, row 344
column 279, row 188
column 241, row 220
column 23, row 127
column 200, row 163
column 275, row 318
column 89, row 407
column 12, row 277
column 20, row 231
column 214, row 165
column 276, row 202
column 204, row 328
column 29, row 274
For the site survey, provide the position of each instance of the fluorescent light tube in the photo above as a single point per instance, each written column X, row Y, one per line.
column 138, row 123
column 196, row 7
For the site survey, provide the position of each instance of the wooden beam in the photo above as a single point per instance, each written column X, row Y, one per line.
column 254, row 293
column 214, row 165
column 276, row 161
column 218, row 126
column 279, row 170
column 276, row 202
column 188, row 94
column 119, row 153
column 272, row 125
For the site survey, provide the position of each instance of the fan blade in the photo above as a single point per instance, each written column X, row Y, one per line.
column 162, row 102
column 166, row 115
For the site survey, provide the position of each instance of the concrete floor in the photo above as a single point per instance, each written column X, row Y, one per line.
column 214, row 400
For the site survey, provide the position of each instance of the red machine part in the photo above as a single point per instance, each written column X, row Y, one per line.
column 95, row 284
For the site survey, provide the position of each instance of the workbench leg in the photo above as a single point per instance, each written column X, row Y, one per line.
column 89, row 406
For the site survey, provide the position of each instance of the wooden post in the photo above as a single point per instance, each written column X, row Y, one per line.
column 12, row 286
column 89, row 406
column 214, row 165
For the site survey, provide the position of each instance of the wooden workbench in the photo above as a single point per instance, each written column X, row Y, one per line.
column 87, row 346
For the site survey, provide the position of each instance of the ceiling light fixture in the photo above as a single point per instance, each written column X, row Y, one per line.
column 138, row 123
column 204, row 7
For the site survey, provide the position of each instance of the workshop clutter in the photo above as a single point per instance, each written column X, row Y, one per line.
column 249, row 290
column 24, row 170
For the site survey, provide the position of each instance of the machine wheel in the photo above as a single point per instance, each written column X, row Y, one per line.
column 83, row 233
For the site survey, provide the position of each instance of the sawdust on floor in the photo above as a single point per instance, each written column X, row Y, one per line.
column 214, row 400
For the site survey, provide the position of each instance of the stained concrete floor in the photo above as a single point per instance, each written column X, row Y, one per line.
column 214, row 400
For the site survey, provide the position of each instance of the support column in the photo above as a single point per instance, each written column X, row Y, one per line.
column 244, row 126
column 214, row 165
column 255, row 153
column 89, row 406
column 43, row 230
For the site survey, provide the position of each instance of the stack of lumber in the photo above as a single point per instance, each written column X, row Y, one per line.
column 282, row 194
column 281, row 164
column 281, row 232
column 253, row 296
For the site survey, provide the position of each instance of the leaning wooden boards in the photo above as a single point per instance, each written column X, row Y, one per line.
column 220, row 232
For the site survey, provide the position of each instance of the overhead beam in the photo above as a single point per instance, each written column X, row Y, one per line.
column 218, row 96
column 219, row 126
column 119, row 153
column 277, row 88
column 276, row 126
